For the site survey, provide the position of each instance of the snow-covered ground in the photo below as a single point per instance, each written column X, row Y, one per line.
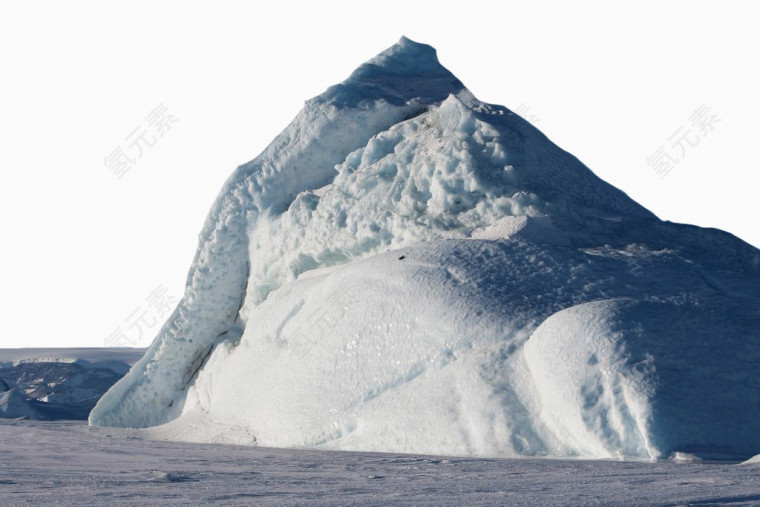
column 70, row 463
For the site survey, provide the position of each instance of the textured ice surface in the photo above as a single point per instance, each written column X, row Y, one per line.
column 406, row 268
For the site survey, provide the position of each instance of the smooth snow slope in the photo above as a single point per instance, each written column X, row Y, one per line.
column 408, row 269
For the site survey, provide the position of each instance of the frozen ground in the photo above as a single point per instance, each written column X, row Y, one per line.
column 70, row 463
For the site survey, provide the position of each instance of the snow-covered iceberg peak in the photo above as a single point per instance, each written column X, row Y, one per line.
column 407, row 71
column 407, row 57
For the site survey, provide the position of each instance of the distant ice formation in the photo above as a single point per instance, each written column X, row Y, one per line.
column 59, row 383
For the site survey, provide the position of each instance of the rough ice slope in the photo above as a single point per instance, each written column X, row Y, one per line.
column 408, row 269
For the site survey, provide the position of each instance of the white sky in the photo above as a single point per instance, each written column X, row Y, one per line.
column 82, row 250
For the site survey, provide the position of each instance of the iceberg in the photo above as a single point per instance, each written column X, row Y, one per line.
column 408, row 269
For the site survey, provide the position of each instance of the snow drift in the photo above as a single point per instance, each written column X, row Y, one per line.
column 408, row 269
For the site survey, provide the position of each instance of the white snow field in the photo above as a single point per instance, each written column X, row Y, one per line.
column 68, row 463
column 407, row 269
